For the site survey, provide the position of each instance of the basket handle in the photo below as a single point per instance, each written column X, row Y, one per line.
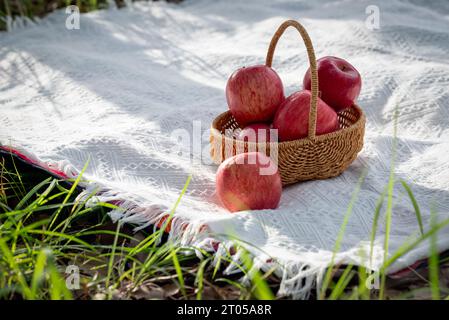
column 313, row 68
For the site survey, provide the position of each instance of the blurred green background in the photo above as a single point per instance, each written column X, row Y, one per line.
column 11, row 9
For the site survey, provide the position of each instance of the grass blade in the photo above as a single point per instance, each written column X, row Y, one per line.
column 342, row 283
column 389, row 210
column 69, row 194
column 260, row 289
column 434, row 262
column 415, row 205
column 178, row 272
column 199, row 279
column 111, row 259
column 379, row 205
column 33, row 192
column 328, row 275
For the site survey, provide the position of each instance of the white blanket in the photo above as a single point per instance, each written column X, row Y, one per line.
column 134, row 90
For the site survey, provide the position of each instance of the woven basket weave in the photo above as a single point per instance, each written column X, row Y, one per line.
column 314, row 157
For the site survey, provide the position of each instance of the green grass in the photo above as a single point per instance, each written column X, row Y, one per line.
column 328, row 276
column 44, row 228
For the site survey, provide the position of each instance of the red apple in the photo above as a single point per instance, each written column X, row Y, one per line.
column 257, row 132
column 249, row 181
column 254, row 94
column 292, row 118
column 339, row 82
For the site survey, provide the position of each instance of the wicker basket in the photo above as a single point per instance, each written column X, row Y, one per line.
column 314, row 157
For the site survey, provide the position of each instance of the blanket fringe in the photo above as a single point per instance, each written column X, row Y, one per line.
column 297, row 278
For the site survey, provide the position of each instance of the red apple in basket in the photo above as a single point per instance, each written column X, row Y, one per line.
column 254, row 94
column 292, row 118
column 249, row 181
column 257, row 132
column 339, row 82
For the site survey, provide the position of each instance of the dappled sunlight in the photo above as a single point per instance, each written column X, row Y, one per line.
column 134, row 93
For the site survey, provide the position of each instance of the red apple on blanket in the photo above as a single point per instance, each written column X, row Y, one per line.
column 249, row 181
column 339, row 82
column 292, row 118
column 257, row 132
column 254, row 94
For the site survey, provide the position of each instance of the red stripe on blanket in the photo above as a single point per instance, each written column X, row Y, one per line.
column 34, row 162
